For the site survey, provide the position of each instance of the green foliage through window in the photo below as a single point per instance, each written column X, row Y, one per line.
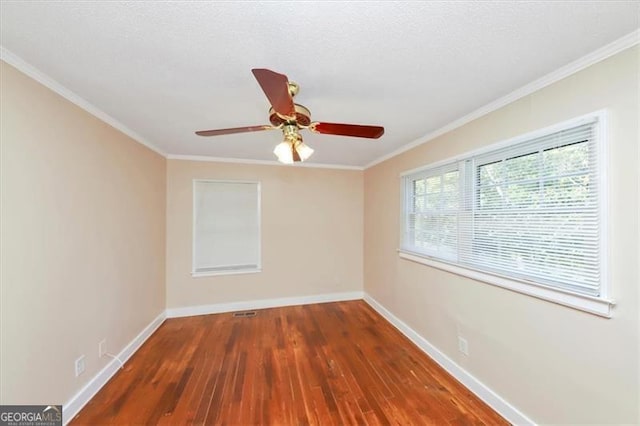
column 529, row 210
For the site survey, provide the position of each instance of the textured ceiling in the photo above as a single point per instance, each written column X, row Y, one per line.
column 166, row 69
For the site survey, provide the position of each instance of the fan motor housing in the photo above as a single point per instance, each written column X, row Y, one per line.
column 303, row 116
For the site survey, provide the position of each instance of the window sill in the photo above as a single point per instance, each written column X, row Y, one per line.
column 594, row 305
column 216, row 273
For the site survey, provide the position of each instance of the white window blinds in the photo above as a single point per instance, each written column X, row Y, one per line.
column 226, row 227
column 528, row 211
column 433, row 206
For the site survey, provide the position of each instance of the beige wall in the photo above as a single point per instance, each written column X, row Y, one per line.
column 83, row 251
column 311, row 233
column 556, row 364
column 83, row 237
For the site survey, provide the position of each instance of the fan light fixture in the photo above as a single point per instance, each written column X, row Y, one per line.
column 304, row 150
column 285, row 151
column 292, row 148
column 291, row 117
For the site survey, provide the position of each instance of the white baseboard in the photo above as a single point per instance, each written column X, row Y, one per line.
column 188, row 311
column 506, row 410
column 75, row 404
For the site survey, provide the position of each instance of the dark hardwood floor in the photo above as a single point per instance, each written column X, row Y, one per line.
column 332, row 363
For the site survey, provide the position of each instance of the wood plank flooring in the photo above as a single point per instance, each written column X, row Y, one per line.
column 325, row 364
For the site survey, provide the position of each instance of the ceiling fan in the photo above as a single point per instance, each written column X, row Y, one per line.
column 290, row 117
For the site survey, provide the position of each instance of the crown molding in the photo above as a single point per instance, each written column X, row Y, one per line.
column 260, row 162
column 592, row 58
column 14, row 60
column 598, row 55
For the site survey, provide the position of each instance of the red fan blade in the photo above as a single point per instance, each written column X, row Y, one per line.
column 276, row 87
column 294, row 153
column 355, row 130
column 233, row 130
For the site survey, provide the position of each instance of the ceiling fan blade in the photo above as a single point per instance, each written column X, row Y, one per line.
column 276, row 87
column 355, row 130
column 294, row 153
column 233, row 130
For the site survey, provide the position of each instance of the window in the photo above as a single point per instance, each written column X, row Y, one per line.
column 432, row 226
column 527, row 211
column 226, row 227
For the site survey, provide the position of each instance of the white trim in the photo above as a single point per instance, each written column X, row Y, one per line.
column 482, row 391
column 594, row 57
column 603, row 166
column 11, row 58
column 573, row 67
column 188, row 311
column 28, row 69
column 80, row 399
column 213, row 274
column 600, row 305
column 261, row 162
column 600, row 116
column 84, row 395
column 593, row 305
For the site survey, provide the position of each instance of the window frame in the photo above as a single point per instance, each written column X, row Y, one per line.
column 258, row 268
column 599, row 305
column 440, row 171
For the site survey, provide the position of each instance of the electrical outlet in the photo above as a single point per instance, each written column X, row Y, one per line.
column 102, row 348
column 463, row 346
column 79, row 364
